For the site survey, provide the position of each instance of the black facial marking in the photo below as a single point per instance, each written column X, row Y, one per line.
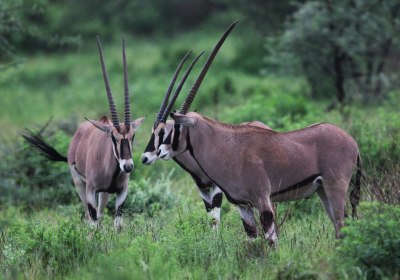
column 150, row 146
column 298, row 185
column 175, row 141
column 92, row 212
column 125, row 149
column 114, row 140
column 167, row 140
column 160, row 137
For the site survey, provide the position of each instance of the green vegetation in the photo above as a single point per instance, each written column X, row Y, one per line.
column 167, row 234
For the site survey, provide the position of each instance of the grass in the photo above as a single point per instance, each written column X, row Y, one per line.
column 174, row 244
column 167, row 234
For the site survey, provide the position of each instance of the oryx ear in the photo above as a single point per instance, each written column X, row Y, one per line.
column 183, row 119
column 136, row 123
column 103, row 127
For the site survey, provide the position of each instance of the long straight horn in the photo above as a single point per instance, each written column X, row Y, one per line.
column 114, row 114
column 200, row 77
column 178, row 89
column 126, row 89
column 170, row 87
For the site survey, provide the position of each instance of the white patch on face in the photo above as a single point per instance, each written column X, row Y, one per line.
column 124, row 162
column 150, row 157
column 164, row 152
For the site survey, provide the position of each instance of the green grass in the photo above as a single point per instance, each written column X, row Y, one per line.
column 167, row 234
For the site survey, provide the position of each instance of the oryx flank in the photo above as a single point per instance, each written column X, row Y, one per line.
column 161, row 133
column 100, row 154
column 255, row 167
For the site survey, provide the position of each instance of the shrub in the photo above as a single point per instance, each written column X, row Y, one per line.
column 372, row 243
column 32, row 181
column 147, row 197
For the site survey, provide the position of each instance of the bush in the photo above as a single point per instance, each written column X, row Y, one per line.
column 29, row 180
column 147, row 197
column 49, row 247
column 372, row 243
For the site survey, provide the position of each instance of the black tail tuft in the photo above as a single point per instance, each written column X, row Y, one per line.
column 356, row 191
column 36, row 140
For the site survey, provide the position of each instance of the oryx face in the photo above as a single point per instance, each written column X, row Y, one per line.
column 158, row 135
column 122, row 140
column 174, row 143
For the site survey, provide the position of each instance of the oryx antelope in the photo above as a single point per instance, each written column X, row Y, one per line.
column 100, row 154
column 255, row 167
column 161, row 133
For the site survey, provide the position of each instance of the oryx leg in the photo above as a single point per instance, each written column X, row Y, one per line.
column 267, row 220
column 249, row 222
column 103, row 199
column 91, row 204
column 332, row 195
column 212, row 198
column 80, row 186
column 121, row 196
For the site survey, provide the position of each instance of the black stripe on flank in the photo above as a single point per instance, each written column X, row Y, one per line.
column 298, row 185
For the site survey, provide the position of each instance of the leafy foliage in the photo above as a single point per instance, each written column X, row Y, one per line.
column 372, row 242
column 343, row 46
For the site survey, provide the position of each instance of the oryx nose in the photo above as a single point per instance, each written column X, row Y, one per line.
column 144, row 159
column 128, row 168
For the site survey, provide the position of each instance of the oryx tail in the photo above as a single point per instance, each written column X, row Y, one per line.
column 356, row 191
column 36, row 141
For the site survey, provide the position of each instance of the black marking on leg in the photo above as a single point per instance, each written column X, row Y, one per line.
column 298, row 185
column 119, row 211
column 208, row 206
column 92, row 212
column 267, row 219
column 217, row 200
column 250, row 230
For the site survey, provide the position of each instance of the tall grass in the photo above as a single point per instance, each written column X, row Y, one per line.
column 167, row 234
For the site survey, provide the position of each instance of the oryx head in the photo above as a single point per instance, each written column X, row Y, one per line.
column 121, row 134
column 175, row 142
column 161, row 128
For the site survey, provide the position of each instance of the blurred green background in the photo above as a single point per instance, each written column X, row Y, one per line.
column 287, row 63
